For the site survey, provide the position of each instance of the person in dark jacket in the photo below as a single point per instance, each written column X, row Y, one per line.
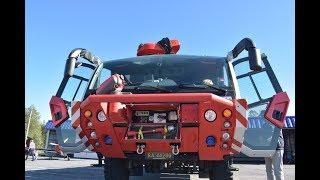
column 100, row 157
column 274, row 164
column 26, row 150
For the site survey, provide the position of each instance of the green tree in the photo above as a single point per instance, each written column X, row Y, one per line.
column 36, row 129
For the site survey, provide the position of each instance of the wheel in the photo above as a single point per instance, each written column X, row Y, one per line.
column 116, row 169
column 220, row 171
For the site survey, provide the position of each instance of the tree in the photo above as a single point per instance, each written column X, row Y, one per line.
column 36, row 129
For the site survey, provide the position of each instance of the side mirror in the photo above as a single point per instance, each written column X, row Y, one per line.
column 254, row 54
column 255, row 61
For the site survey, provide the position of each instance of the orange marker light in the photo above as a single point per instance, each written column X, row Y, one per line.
column 87, row 113
column 227, row 113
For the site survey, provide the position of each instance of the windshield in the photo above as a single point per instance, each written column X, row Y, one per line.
column 172, row 70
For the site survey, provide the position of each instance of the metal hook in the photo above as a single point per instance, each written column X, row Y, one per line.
column 140, row 149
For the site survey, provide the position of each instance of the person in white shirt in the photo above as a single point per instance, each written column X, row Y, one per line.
column 32, row 150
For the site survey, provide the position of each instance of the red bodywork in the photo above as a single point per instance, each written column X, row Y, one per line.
column 193, row 127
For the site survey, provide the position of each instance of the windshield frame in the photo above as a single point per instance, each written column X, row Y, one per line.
column 97, row 73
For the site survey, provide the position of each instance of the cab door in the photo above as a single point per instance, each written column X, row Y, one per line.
column 267, row 105
column 74, row 85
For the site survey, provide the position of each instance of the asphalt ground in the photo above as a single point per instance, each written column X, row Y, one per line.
column 61, row 169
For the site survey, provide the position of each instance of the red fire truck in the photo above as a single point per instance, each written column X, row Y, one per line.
column 164, row 112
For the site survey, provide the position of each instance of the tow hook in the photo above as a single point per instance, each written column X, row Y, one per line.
column 175, row 149
column 140, row 148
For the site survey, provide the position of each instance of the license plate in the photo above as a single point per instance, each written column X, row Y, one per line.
column 158, row 155
column 142, row 113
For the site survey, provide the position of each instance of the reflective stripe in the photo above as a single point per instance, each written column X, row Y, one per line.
column 75, row 106
column 75, row 116
column 256, row 153
column 235, row 147
column 73, row 103
column 237, row 143
column 76, row 124
column 84, row 139
column 241, row 109
column 78, row 130
column 239, row 131
column 90, row 147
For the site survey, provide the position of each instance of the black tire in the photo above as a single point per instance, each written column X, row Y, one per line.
column 116, row 169
column 220, row 171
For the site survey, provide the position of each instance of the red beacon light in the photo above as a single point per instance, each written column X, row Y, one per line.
column 165, row 46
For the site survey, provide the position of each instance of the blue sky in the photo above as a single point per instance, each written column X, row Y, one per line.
column 114, row 29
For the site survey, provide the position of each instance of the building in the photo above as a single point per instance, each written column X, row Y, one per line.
column 289, row 139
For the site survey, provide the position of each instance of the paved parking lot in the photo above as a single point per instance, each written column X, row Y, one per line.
column 61, row 169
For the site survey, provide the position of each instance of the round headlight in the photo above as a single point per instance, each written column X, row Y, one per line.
column 93, row 135
column 210, row 115
column 87, row 114
column 227, row 113
column 226, row 124
column 225, row 145
column 225, row 136
column 101, row 116
column 89, row 124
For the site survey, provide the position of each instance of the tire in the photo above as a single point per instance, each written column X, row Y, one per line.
column 220, row 171
column 116, row 169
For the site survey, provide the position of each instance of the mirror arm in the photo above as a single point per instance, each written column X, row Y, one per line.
column 72, row 63
column 80, row 52
column 254, row 53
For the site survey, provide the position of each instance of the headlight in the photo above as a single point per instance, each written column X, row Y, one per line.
column 87, row 114
column 89, row 124
column 108, row 139
column 225, row 136
column 210, row 115
column 226, row 124
column 227, row 113
column 93, row 135
column 211, row 141
column 225, row 145
column 101, row 116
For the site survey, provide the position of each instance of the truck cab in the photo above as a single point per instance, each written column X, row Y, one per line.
column 164, row 112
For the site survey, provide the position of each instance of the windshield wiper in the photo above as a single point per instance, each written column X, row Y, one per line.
column 194, row 86
column 141, row 87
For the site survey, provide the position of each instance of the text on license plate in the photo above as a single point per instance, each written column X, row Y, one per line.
column 158, row 155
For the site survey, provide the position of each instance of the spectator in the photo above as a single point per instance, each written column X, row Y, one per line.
column 32, row 150
column 26, row 150
column 274, row 164
column 100, row 156
column 59, row 151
